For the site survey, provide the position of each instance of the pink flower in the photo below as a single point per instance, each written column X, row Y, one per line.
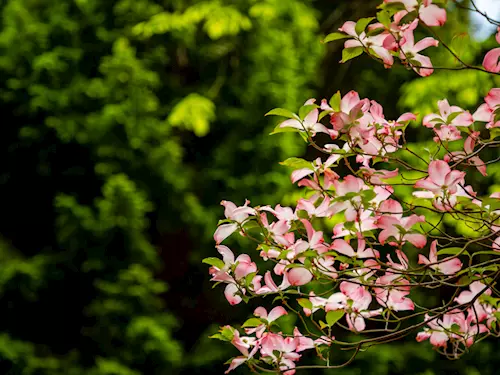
column 350, row 184
column 299, row 276
column 304, row 343
column 237, row 214
column 429, row 13
column 491, row 61
column 233, row 271
column 243, row 265
column 270, row 285
column 469, row 146
column 410, row 51
column 393, row 296
column 403, row 262
column 243, row 344
column 355, row 300
column 342, row 247
column 448, row 116
column 441, row 330
column 231, row 294
column 442, row 185
column 392, row 224
column 375, row 176
column 351, row 106
column 261, row 312
column 485, row 112
column 287, row 347
column 309, row 124
column 448, row 267
column 374, row 42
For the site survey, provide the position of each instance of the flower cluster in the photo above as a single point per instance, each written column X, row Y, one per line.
column 358, row 249
column 392, row 36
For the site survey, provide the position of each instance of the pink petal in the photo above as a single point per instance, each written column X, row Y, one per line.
column 425, row 43
column 311, row 118
column 438, row 169
column 451, row 266
column 426, row 65
column 291, row 123
column 432, row 15
column 276, row 313
column 230, row 295
column 349, row 28
column 235, row 363
column 299, row 276
column 224, row 231
column 349, row 101
column 490, row 62
column 493, row 97
column 422, row 259
column 418, row 240
column 260, row 312
column 483, row 113
column 343, row 247
column 427, row 121
column 438, row 339
column 300, row 174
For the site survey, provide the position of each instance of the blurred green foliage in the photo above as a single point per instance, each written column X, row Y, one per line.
column 125, row 124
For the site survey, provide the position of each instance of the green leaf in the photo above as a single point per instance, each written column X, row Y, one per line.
column 281, row 112
column 451, row 251
column 306, row 109
column 367, row 196
column 392, row 8
column 452, row 116
column 305, row 303
column 322, row 324
column 323, row 114
column 225, row 334
column 252, row 322
column 374, row 32
column 401, row 229
column 384, row 18
column 344, row 259
column 216, row 262
column 335, row 101
column 362, row 23
column 297, row 163
column 351, row 53
column 312, row 254
column 455, row 328
column 335, row 36
column 286, row 129
column 249, row 278
column 333, row 317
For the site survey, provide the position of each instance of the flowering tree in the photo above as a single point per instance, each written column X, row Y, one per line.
column 362, row 275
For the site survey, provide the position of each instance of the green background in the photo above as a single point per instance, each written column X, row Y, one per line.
column 125, row 123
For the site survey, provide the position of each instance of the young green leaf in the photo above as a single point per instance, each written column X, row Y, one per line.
column 252, row 322
column 296, row 163
column 335, row 101
column 351, row 53
column 305, row 303
column 281, row 112
column 362, row 23
column 333, row 317
column 335, row 36
column 216, row 262
column 306, row 109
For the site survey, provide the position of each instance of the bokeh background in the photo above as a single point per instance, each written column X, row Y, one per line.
column 125, row 123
